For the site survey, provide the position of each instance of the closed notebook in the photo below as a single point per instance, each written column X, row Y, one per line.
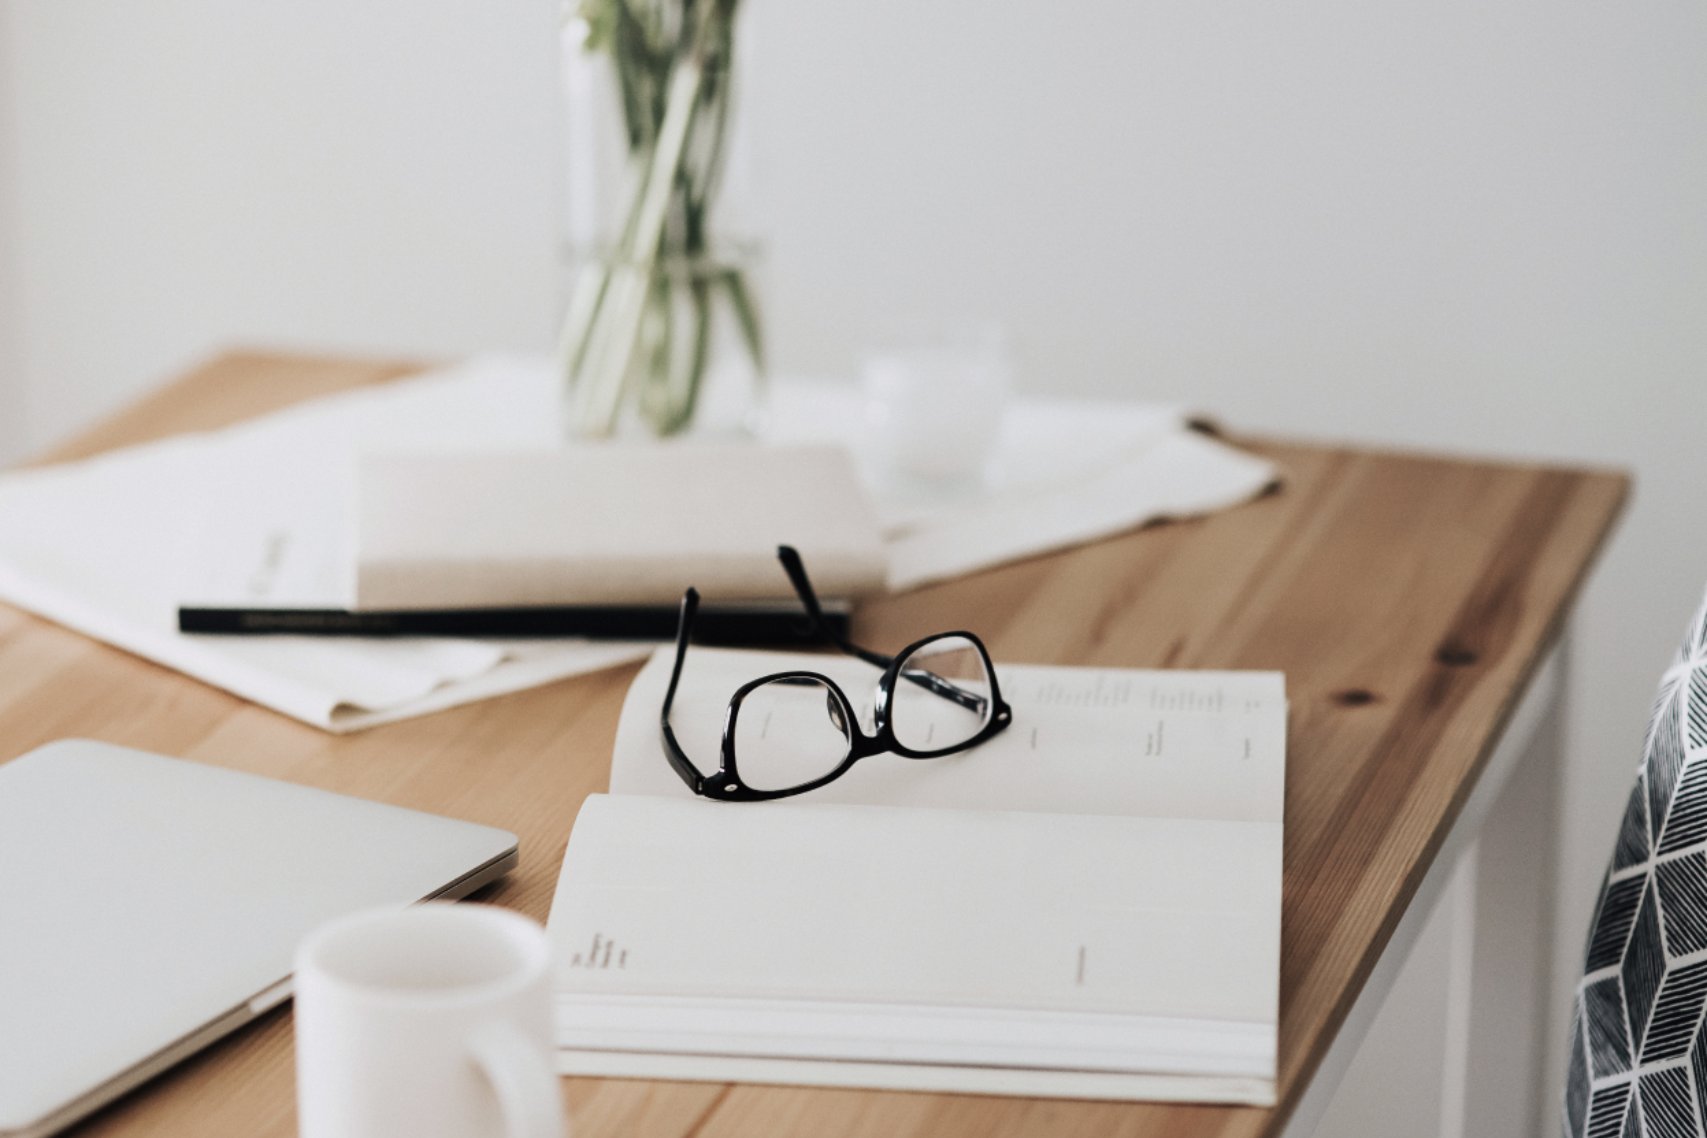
column 610, row 524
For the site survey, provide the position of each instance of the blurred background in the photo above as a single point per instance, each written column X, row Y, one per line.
column 1477, row 227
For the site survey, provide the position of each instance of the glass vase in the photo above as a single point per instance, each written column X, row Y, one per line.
column 663, row 334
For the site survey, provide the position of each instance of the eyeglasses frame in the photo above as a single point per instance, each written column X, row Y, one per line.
column 727, row 785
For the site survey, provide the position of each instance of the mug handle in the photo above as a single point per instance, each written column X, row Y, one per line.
column 528, row 1094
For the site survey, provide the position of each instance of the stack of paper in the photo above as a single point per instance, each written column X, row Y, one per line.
column 1086, row 905
column 262, row 515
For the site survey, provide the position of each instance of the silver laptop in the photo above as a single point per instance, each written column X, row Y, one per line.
column 150, row 905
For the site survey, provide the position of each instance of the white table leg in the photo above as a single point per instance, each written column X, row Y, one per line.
column 1508, row 921
column 1455, row 1009
column 1458, row 910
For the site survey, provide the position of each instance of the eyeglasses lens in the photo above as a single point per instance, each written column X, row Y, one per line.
column 790, row 732
column 942, row 695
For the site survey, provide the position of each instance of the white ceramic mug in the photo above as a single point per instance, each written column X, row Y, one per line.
column 431, row 1020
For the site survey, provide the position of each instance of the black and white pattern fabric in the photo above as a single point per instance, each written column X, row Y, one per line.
column 1638, row 1041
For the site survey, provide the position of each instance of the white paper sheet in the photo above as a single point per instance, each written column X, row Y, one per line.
column 259, row 514
column 1062, row 472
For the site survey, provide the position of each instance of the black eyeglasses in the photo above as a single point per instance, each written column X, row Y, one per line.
column 791, row 732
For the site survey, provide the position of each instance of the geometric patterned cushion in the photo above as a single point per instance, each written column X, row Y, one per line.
column 1638, row 1040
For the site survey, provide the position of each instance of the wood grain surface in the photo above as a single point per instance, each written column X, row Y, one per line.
column 1407, row 598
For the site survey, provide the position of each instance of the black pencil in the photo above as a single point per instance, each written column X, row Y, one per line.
column 782, row 623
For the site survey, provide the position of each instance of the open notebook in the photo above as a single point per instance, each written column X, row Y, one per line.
column 1087, row 905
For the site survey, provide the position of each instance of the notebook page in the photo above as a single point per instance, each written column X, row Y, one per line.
column 1161, row 744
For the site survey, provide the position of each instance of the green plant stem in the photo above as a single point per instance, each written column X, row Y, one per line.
column 616, row 327
column 640, row 323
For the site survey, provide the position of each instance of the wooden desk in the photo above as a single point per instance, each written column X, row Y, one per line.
column 1408, row 599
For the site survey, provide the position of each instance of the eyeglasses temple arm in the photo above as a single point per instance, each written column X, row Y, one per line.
column 819, row 627
column 672, row 749
column 796, row 570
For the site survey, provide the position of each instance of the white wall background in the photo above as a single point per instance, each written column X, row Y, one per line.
column 192, row 174
column 11, row 348
column 1472, row 225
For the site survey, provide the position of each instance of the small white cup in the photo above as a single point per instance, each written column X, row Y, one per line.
column 427, row 1021
column 932, row 414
